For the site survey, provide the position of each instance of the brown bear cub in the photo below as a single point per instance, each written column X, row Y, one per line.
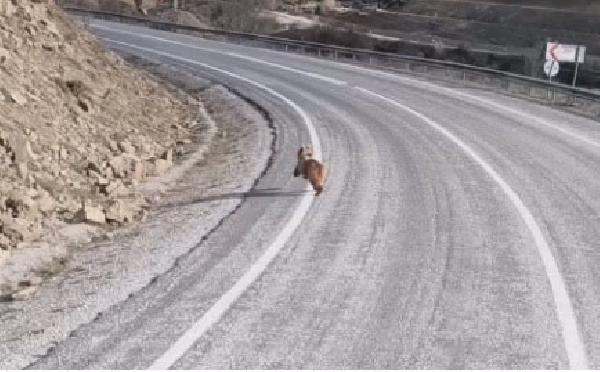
column 311, row 169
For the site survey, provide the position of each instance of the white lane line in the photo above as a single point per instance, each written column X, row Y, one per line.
column 407, row 80
column 573, row 343
column 482, row 101
column 230, row 54
column 566, row 316
column 214, row 314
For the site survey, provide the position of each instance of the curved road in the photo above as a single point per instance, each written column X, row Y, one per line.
column 459, row 229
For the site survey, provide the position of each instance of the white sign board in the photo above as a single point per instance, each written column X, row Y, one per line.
column 551, row 68
column 565, row 53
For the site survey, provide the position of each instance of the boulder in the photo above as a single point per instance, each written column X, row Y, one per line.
column 139, row 170
column 92, row 214
column 120, row 211
column 113, row 146
column 21, row 203
column 22, row 170
column 24, row 294
column 16, row 229
column 30, row 281
column 159, row 166
column 4, row 55
column 63, row 154
column 4, row 252
column 46, row 204
column 21, row 149
column 126, row 147
column 168, row 155
column 13, row 96
column 4, row 243
column 120, row 166
column 115, row 187
column 8, row 8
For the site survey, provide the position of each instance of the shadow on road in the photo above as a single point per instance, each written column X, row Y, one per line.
column 259, row 193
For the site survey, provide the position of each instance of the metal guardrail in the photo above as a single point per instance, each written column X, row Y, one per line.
column 583, row 101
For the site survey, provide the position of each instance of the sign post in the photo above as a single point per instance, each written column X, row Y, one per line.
column 579, row 59
column 551, row 69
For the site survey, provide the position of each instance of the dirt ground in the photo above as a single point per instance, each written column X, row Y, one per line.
column 195, row 196
column 80, row 131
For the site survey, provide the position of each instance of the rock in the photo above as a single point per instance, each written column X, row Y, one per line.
column 113, row 146
column 50, row 27
column 21, row 149
column 115, row 187
column 126, row 147
column 46, row 204
column 139, row 170
column 94, row 165
column 92, row 214
column 168, row 155
column 13, row 96
column 3, row 139
column 4, row 246
column 4, row 55
column 63, row 154
column 78, row 233
column 160, row 166
column 21, row 203
column 120, row 211
column 31, row 281
column 22, row 170
column 120, row 166
column 8, row 8
column 24, row 294
column 55, row 149
column 4, row 252
column 16, row 229
column 101, row 181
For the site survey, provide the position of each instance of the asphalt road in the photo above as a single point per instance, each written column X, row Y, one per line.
column 458, row 229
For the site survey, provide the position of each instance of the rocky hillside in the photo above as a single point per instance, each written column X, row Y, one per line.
column 78, row 127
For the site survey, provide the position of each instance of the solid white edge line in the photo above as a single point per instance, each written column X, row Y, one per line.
column 216, row 311
column 566, row 316
column 573, row 343
column 463, row 96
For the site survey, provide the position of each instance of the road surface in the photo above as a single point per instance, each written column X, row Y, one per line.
column 458, row 229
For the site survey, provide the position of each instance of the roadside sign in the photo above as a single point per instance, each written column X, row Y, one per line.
column 565, row 53
column 551, row 68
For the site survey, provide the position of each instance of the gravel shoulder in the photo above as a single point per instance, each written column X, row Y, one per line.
column 187, row 204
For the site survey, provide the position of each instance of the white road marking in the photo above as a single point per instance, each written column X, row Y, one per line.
column 482, row 101
column 566, row 316
column 231, row 54
column 214, row 314
column 407, row 80
column 573, row 343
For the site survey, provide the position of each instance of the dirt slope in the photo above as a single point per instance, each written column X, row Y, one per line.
column 79, row 129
